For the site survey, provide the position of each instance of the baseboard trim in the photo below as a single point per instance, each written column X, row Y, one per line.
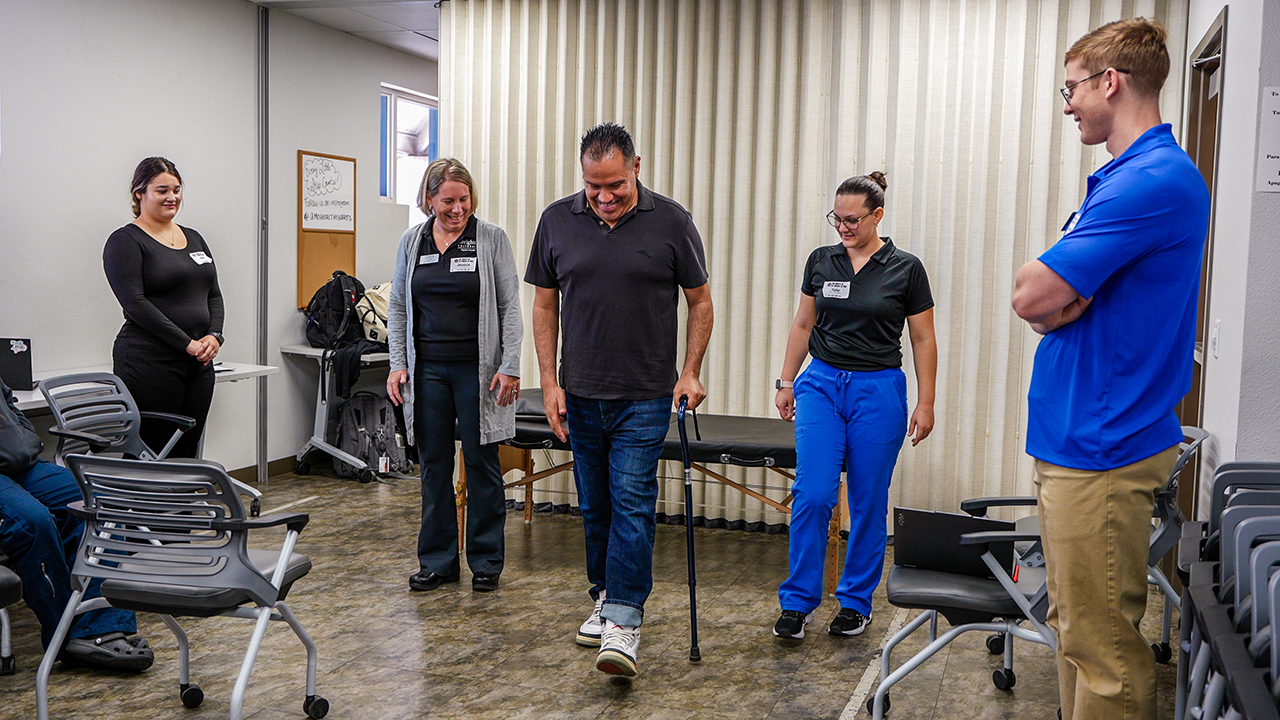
column 275, row 467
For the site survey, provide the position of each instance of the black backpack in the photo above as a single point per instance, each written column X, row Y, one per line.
column 367, row 429
column 332, row 319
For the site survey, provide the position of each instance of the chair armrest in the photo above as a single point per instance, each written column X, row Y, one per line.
column 97, row 443
column 977, row 507
column 295, row 522
column 181, row 421
column 993, row 536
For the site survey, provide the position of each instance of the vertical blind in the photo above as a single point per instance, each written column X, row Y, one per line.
column 749, row 113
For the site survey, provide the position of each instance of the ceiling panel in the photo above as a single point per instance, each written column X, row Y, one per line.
column 411, row 26
column 346, row 20
column 415, row 15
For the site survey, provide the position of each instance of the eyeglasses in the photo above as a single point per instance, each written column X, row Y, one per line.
column 1070, row 89
column 852, row 223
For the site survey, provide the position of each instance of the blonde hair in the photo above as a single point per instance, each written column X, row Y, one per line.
column 438, row 173
column 1136, row 45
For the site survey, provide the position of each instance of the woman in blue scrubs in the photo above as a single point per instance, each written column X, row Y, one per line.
column 850, row 403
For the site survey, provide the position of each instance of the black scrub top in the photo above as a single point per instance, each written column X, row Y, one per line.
column 861, row 315
column 446, row 299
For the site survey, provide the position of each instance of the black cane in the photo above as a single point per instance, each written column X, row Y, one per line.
column 695, row 655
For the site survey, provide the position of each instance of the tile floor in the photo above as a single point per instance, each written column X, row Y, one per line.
column 388, row 653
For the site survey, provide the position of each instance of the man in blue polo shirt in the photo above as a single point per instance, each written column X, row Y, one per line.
column 1115, row 299
column 620, row 255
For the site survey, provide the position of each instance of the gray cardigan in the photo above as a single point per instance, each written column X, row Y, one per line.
column 501, row 328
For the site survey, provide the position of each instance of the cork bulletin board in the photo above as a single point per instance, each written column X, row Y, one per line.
column 326, row 220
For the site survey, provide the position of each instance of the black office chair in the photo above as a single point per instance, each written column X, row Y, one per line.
column 96, row 414
column 10, row 593
column 993, row 602
column 1166, row 533
column 170, row 537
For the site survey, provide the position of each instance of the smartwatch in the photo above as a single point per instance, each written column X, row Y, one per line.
column 218, row 336
column 779, row 384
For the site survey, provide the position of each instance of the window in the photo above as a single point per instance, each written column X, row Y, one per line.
column 410, row 141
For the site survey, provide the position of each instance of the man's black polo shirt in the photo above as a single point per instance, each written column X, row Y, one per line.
column 620, row 292
column 860, row 316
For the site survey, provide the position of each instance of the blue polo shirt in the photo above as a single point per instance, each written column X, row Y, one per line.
column 1104, row 388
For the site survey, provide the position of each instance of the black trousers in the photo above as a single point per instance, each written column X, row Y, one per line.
column 445, row 392
column 162, row 380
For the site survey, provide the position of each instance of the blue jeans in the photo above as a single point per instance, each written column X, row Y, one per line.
column 445, row 392
column 41, row 537
column 855, row 422
column 616, row 446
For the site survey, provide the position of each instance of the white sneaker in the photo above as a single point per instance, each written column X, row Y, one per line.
column 618, row 646
column 589, row 631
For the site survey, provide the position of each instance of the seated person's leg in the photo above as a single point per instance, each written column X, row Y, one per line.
column 98, row 637
column 30, row 539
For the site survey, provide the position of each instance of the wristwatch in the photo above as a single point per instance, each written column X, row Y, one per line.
column 218, row 336
column 779, row 384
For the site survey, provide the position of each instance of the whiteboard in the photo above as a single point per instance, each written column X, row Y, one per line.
column 328, row 192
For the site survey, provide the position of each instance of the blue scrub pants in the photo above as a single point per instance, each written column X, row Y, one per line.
column 855, row 422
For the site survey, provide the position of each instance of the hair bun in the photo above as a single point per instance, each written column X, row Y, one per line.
column 878, row 178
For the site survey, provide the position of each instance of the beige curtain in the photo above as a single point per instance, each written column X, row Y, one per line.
column 749, row 113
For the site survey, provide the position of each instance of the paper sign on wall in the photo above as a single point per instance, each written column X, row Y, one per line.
column 328, row 194
column 1269, row 141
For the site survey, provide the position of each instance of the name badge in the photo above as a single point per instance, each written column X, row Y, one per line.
column 201, row 258
column 833, row 289
column 1070, row 224
column 462, row 265
column 429, row 259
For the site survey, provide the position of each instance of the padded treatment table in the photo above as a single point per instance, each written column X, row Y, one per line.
column 724, row 439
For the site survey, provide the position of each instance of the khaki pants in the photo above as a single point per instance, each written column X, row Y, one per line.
column 1096, row 526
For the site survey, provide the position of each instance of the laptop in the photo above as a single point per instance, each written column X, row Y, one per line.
column 15, row 363
column 930, row 540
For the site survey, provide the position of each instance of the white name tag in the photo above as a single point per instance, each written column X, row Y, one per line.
column 462, row 265
column 429, row 259
column 832, row 289
column 1070, row 224
column 201, row 258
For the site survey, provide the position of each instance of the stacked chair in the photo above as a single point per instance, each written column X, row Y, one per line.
column 94, row 413
column 170, row 538
column 1228, row 656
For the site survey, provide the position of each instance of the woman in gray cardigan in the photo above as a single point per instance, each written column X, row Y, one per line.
column 455, row 322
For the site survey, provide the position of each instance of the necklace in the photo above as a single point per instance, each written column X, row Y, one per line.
column 170, row 242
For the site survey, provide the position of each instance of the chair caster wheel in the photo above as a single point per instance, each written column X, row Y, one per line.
column 367, row 476
column 8, row 665
column 191, row 695
column 995, row 644
column 303, row 467
column 1162, row 652
column 255, row 508
column 1004, row 679
column 871, row 704
column 315, row 707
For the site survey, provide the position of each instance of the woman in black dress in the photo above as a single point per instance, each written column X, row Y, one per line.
column 167, row 283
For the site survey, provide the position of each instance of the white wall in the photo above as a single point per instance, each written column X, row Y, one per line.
column 325, row 89
column 89, row 88
column 1241, row 393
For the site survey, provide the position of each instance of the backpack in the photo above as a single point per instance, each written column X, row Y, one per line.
column 331, row 315
column 372, row 310
column 367, row 429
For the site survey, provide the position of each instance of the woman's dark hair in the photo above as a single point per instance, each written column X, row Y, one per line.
column 871, row 186
column 146, row 171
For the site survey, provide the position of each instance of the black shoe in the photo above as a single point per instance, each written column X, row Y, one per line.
column 424, row 580
column 484, row 582
column 848, row 622
column 110, row 651
column 790, row 625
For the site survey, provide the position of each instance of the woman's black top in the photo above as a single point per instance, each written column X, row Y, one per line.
column 446, row 298
column 169, row 296
column 861, row 315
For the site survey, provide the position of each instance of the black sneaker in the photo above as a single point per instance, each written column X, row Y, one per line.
column 790, row 625
column 849, row 622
